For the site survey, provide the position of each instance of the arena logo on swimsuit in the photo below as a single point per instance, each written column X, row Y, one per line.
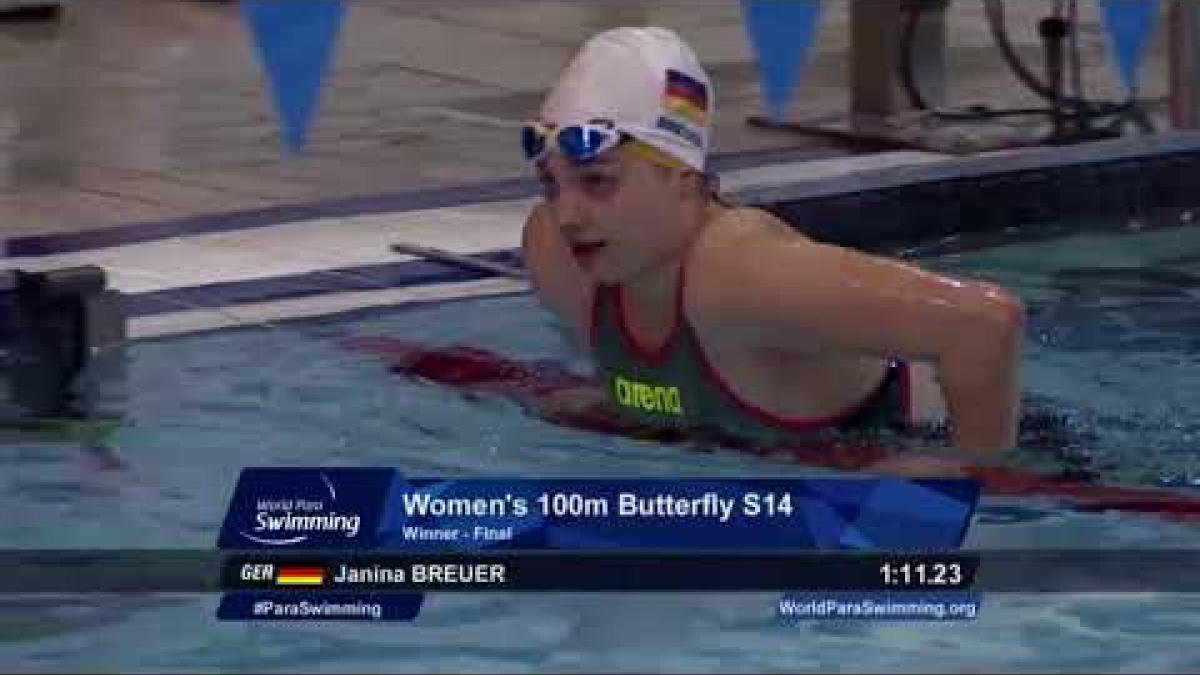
column 647, row 397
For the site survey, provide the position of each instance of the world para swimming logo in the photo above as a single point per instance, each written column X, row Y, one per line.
column 293, row 519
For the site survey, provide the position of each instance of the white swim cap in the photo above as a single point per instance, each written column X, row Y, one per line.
column 648, row 82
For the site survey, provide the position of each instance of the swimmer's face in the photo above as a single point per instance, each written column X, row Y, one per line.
column 620, row 214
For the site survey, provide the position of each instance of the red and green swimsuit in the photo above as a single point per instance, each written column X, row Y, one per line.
column 677, row 387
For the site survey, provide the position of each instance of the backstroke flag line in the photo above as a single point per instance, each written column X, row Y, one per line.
column 1130, row 24
column 782, row 32
column 294, row 39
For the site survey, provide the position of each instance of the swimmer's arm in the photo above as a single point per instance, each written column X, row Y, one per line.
column 775, row 291
column 556, row 278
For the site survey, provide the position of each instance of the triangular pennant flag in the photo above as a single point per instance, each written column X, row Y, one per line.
column 1129, row 23
column 294, row 39
column 781, row 32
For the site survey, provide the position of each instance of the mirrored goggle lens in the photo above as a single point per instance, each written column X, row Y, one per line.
column 578, row 142
column 582, row 143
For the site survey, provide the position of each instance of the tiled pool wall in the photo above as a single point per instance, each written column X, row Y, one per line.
column 887, row 210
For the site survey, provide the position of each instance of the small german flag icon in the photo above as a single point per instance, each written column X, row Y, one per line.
column 295, row 575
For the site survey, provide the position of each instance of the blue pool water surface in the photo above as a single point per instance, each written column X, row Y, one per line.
column 1113, row 351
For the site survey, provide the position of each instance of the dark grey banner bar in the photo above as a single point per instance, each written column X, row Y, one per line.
column 1070, row 571
column 111, row 571
column 200, row 571
column 590, row 571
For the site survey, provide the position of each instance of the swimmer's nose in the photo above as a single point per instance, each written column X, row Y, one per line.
column 571, row 212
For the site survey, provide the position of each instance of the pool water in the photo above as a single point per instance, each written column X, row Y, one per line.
column 1113, row 350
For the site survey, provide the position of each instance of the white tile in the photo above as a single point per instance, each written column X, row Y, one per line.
column 294, row 248
column 178, row 323
column 265, row 313
column 798, row 172
column 345, row 242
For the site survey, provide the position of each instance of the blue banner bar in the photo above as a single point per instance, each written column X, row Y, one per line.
column 663, row 514
column 318, row 606
column 378, row 509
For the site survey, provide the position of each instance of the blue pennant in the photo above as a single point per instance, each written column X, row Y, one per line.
column 1130, row 23
column 294, row 40
column 782, row 32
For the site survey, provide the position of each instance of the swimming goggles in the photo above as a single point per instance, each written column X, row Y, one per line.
column 578, row 142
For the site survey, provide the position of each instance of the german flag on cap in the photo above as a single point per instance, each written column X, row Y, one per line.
column 686, row 97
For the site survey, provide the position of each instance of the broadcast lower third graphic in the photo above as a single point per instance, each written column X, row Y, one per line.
column 999, row 571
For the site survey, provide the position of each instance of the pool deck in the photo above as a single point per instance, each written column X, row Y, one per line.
column 310, row 264
column 159, row 159
column 145, row 110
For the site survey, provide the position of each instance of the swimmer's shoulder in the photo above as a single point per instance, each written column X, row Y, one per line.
column 737, row 229
column 743, row 224
column 720, row 254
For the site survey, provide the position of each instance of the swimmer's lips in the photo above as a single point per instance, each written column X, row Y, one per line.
column 586, row 250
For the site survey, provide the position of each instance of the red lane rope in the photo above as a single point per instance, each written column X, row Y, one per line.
column 479, row 370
